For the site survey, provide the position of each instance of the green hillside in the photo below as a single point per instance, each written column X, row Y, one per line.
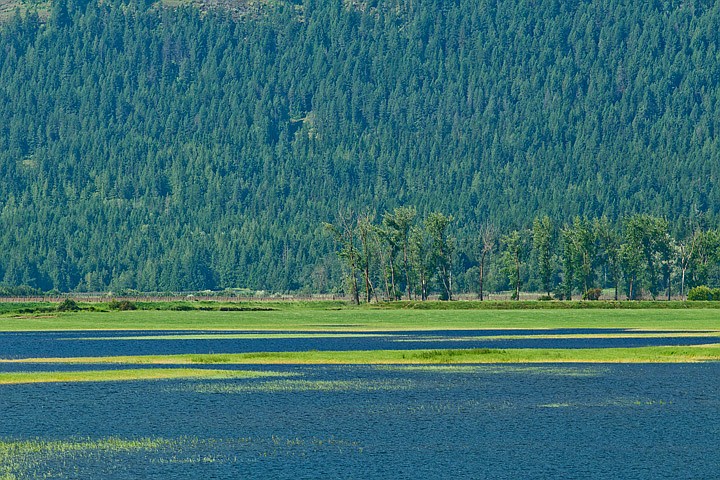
column 198, row 145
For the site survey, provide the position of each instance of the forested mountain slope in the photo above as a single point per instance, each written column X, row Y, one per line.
column 162, row 148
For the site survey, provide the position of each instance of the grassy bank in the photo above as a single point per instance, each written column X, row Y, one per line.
column 702, row 353
column 45, row 307
column 366, row 319
column 7, row 378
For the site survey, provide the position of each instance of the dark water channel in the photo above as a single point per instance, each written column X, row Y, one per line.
column 17, row 345
column 507, row 422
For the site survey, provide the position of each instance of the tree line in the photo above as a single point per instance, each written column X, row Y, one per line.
column 410, row 256
column 403, row 256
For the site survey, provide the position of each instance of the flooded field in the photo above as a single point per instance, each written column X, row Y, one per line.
column 18, row 345
column 551, row 420
column 514, row 421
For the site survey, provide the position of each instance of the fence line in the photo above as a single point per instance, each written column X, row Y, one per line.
column 103, row 297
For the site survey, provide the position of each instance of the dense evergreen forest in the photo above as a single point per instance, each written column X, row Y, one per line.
column 166, row 149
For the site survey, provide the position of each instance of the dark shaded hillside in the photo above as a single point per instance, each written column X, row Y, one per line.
column 167, row 149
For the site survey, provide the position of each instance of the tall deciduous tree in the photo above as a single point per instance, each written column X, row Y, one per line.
column 513, row 259
column 387, row 252
column 568, row 262
column 707, row 255
column 584, row 251
column 344, row 235
column 366, row 233
column 645, row 241
column 398, row 224
column 420, row 259
column 442, row 249
column 488, row 240
column 543, row 243
column 608, row 250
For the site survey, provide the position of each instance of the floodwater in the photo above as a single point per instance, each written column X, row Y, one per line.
column 18, row 345
column 484, row 421
column 434, row 421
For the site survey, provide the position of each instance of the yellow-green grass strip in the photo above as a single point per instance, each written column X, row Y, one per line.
column 662, row 354
column 8, row 378
column 365, row 319
column 562, row 336
column 232, row 336
column 266, row 336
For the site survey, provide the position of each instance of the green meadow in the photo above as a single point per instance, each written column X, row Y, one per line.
column 338, row 317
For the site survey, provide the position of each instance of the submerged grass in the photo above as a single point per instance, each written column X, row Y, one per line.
column 613, row 402
column 21, row 459
column 296, row 386
column 668, row 354
column 39, row 458
column 499, row 369
column 8, row 378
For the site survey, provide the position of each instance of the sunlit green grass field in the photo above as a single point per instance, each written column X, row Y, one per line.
column 310, row 318
column 316, row 319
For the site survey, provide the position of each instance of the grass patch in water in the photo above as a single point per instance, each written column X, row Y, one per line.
column 88, row 458
column 295, row 386
column 674, row 354
column 231, row 336
column 31, row 458
column 618, row 402
column 499, row 369
column 9, row 378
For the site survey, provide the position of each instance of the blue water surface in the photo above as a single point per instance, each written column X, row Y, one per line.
column 492, row 421
column 18, row 345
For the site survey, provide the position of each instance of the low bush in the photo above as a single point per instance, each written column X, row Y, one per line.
column 247, row 309
column 181, row 307
column 704, row 293
column 68, row 305
column 593, row 294
column 122, row 305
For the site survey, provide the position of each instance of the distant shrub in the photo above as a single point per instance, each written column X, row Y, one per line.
column 181, row 307
column 122, row 305
column 704, row 293
column 545, row 298
column 559, row 293
column 592, row 294
column 68, row 305
column 246, row 309
column 700, row 293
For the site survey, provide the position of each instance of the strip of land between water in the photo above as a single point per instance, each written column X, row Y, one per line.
column 663, row 354
column 130, row 374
